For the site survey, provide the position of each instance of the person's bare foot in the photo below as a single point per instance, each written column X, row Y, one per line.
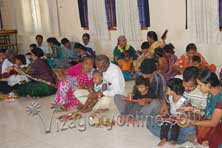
column 80, row 107
column 83, row 108
column 172, row 142
column 205, row 143
column 162, row 142
column 86, row 110
column 192, row 139
column 123, row 119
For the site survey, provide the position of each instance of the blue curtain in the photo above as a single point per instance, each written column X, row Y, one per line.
column 83, row 13
column 111, row 13
column 220, row 13
column 1, row 23
column 144, row 13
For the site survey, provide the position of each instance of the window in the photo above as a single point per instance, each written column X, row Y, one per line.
column 111, row 14
column 220, row 15
column 144, row 13
column 83, row 13
column 1, row 23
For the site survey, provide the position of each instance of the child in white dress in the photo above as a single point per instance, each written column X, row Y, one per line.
column 176, row 100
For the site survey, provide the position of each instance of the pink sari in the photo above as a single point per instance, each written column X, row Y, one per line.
column 65, row 95
column 77, row 72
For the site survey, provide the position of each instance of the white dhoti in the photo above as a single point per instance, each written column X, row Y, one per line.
column 105, row 102
column 81, row 95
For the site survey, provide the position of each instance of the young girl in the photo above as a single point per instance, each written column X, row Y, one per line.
column 64, row 94
column 140, row 98
column 144, row 54
column 162, row 63
column 15, row 78
column 126, row 65
column 82, row 51
column 175, row 91
column 196, row 61
column 99, row 86
column 171, row 58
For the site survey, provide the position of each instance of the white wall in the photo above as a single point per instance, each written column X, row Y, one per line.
column 165, row 14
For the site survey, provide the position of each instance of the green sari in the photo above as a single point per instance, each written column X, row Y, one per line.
column 118, row 52
column 35, row 89
column 43, row 82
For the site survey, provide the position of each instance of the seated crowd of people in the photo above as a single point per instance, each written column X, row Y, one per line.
column 165, row 85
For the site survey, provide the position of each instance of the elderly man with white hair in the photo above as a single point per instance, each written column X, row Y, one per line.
column 113, row 75
column 121, row 47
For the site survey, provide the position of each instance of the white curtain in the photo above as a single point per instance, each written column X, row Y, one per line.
column 37, row 16
column 128, row 19
column 97, row 20
column 203, row 21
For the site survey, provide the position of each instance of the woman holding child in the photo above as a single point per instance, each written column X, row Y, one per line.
column 44, row 77
column 186, row 59
column 121, row 47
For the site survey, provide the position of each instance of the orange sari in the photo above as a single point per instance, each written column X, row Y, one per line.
column 184, row 62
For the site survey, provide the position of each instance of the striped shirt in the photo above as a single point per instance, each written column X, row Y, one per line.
column 196, row 98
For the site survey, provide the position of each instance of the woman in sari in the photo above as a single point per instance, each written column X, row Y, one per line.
column 43, row 76
column 56, row 59
column 121, row 47
column 82, row 74
column 209, row 129
column 186, row 59
column 154, row 42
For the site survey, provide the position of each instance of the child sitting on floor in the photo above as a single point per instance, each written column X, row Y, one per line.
column 15, row 78
column 144, row 54
column 196, row 61
column 126, row 65
column 171, row 58
column 65, row 89
column 99, row 86
column 176, row 100
column 82, row 51
column 162, row 63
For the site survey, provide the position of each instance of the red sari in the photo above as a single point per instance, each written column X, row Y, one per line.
column 211, row 134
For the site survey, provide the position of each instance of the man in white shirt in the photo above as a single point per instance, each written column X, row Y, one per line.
column 113, row 75
column 5, row 63
column 5, row 55
column 39, row 40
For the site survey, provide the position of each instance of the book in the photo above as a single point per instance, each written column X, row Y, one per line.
column 128, row 100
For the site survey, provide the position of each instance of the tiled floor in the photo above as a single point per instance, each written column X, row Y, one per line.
column 20, row 130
